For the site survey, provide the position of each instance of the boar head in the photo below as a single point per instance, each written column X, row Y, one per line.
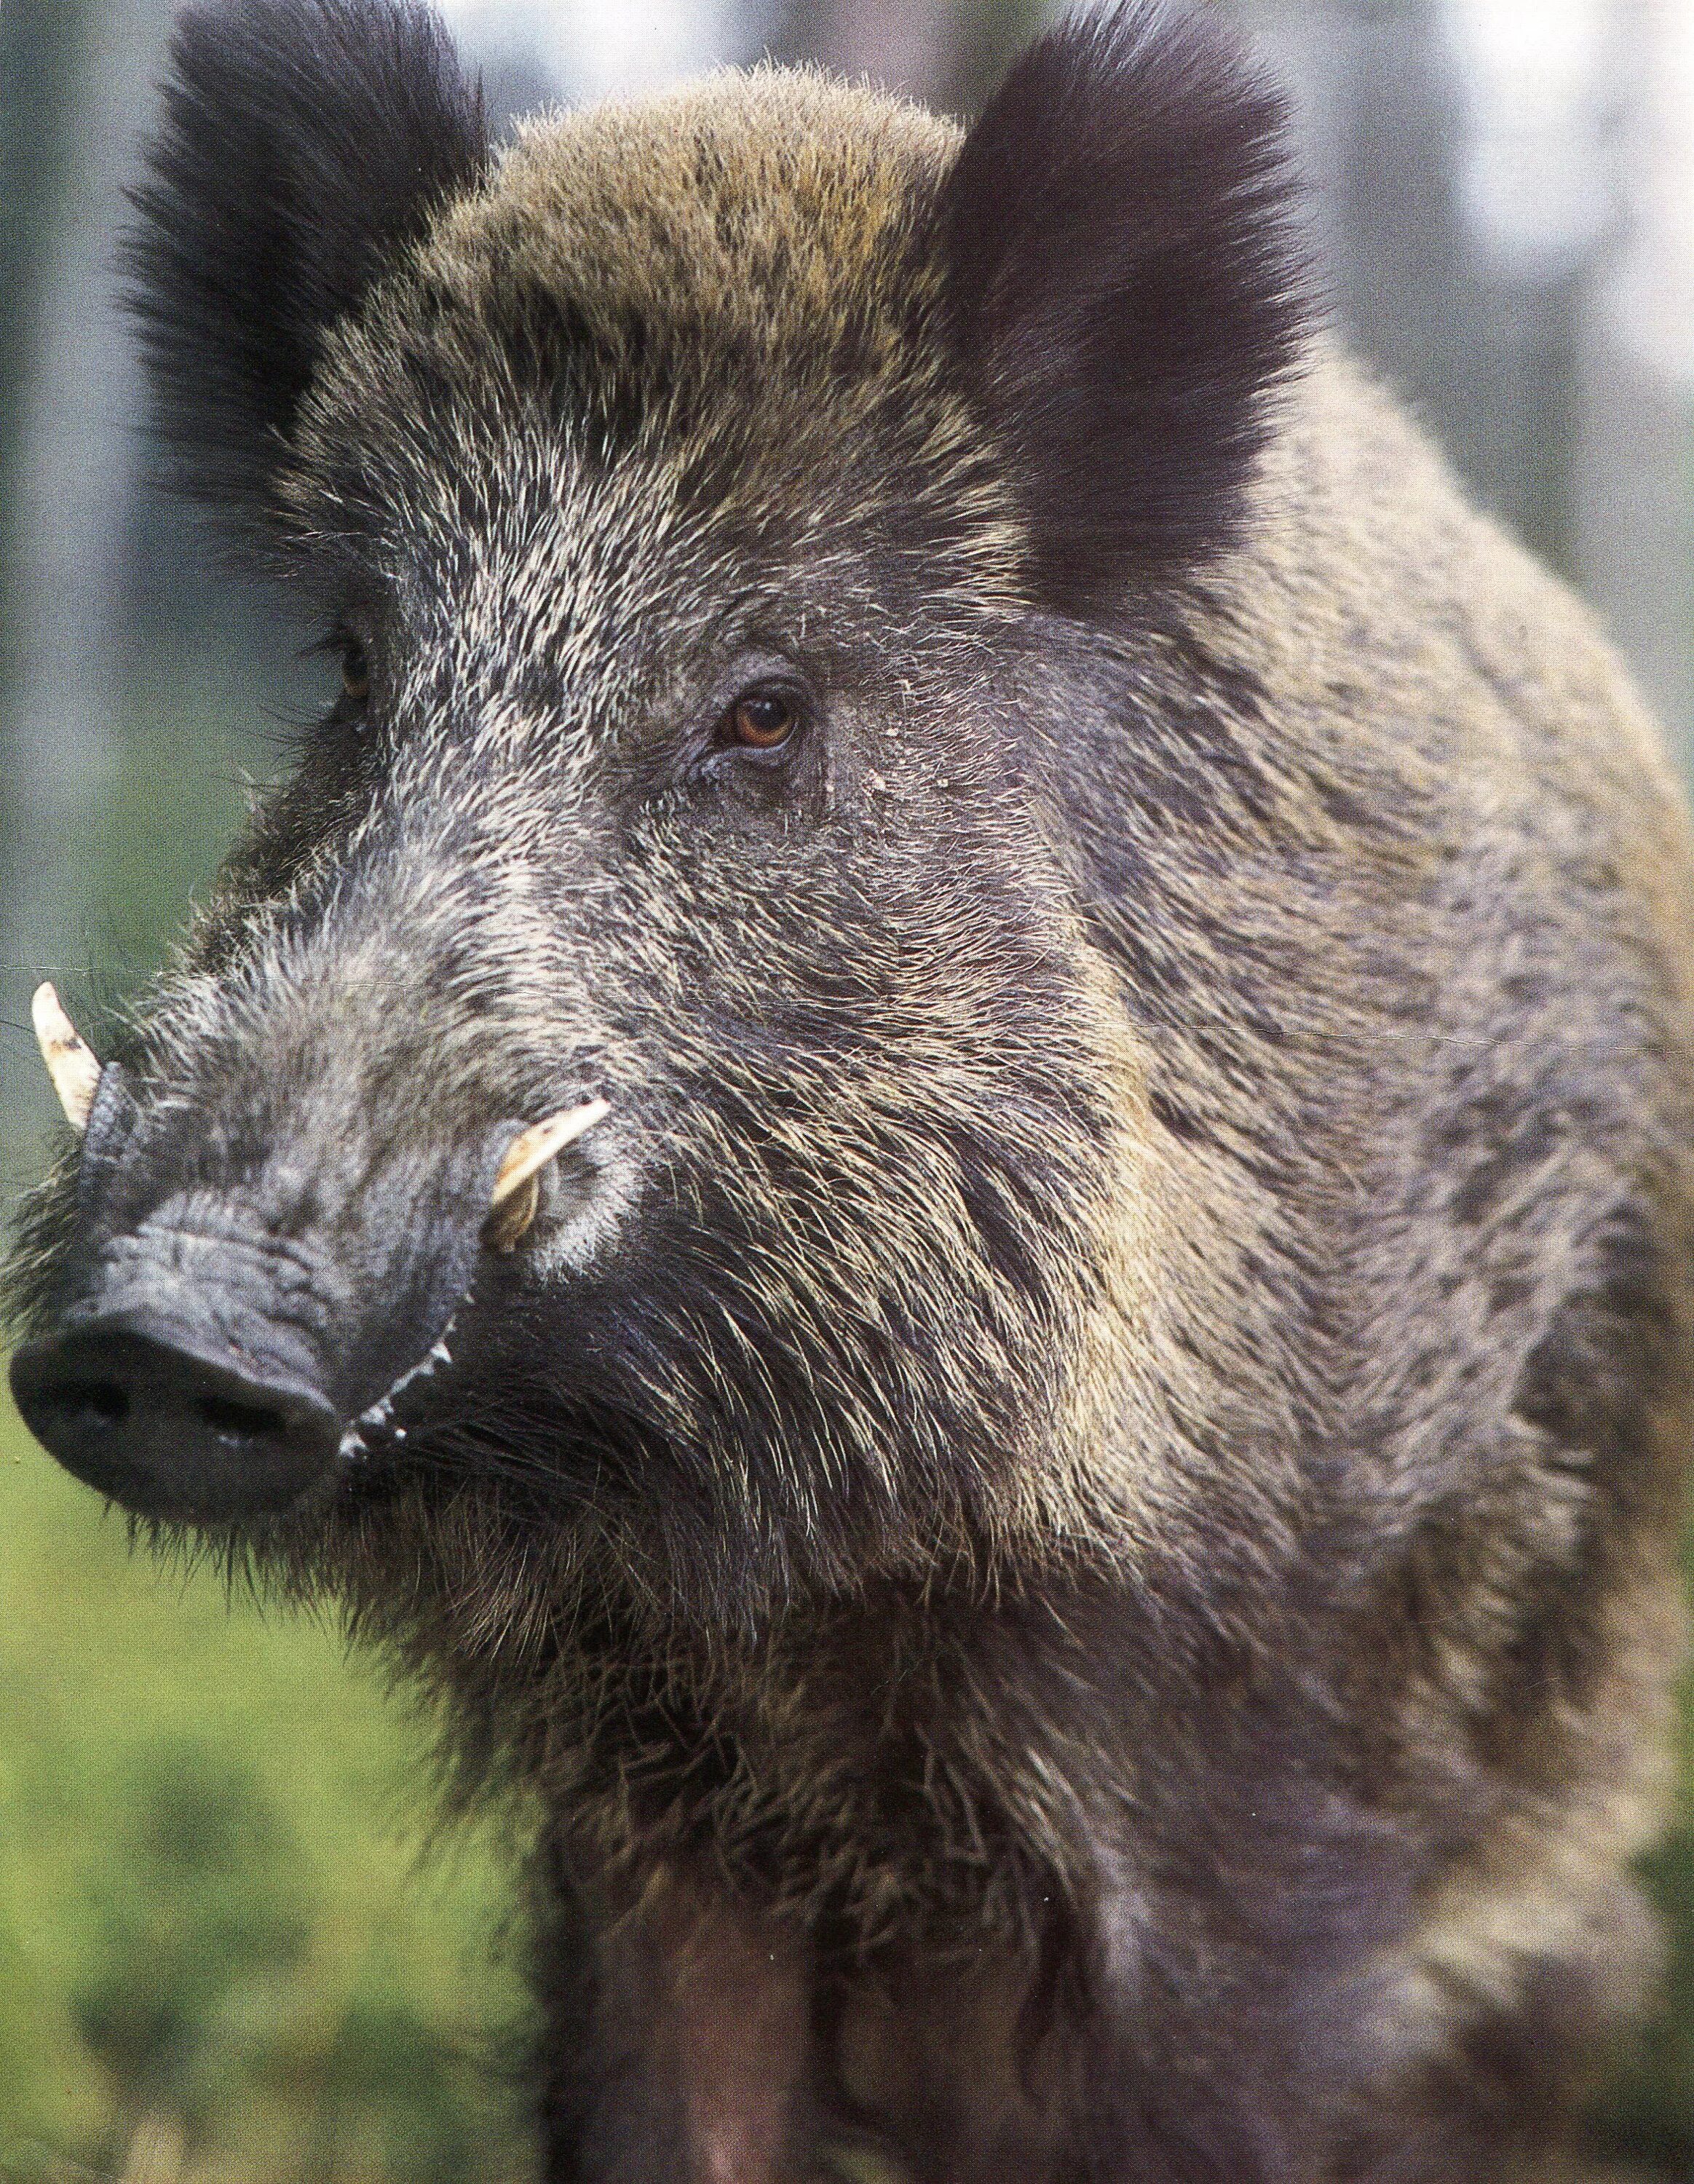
column 725, row 508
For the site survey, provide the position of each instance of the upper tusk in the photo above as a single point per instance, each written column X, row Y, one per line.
column 70, row 1060
column 517, row 1187
column 532, row 1149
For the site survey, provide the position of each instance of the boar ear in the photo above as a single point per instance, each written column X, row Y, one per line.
column 304, row 143
column 1123, row 286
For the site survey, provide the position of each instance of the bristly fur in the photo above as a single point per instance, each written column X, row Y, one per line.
column 1068, row 1510
column 1125, row 285
column 303, row 143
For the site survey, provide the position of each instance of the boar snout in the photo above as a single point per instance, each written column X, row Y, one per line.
column 194, row 1367
column 176, row 1417
column 210, row 1359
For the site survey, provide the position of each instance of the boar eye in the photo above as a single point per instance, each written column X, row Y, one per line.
column 355, row 670
column 761, row 719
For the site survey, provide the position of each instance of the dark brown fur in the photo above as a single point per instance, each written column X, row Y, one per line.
column 1080, row 1568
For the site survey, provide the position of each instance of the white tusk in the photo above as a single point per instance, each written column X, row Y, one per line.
column 532, row 1149
column 70, row 1060
column 517, row 1187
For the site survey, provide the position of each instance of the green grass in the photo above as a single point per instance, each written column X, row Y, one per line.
column 216, row 1926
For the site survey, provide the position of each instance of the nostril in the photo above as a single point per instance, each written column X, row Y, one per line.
column 236, row 1421
column 88, row 1403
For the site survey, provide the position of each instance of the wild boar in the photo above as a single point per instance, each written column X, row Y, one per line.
column 943, row 1142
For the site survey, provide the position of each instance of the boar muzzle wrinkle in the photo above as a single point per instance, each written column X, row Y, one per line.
column 71, row 1061
column 517, row 1192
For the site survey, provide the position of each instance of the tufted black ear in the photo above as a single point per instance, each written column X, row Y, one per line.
column 1123, row 285
column 304, row 143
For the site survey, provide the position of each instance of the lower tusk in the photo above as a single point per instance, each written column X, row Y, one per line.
column 517, row 1187
column 70, row 1060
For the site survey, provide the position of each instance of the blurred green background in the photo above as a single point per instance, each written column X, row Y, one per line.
column 223, row 1952
column 228, row 1948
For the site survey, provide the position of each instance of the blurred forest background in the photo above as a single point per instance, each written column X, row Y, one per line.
column 223, row 1953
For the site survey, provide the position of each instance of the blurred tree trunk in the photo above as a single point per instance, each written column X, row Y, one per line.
column 950, row 53
column 1477, row 329
column 40, row 69
column 1507, row 224
column 71, row 465
column 41, row 53
column 1634, row 545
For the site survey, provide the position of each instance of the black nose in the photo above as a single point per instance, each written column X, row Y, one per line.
column 170, row 1425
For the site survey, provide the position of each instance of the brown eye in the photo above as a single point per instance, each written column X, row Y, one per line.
column 763, row 719
column 355, row 672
